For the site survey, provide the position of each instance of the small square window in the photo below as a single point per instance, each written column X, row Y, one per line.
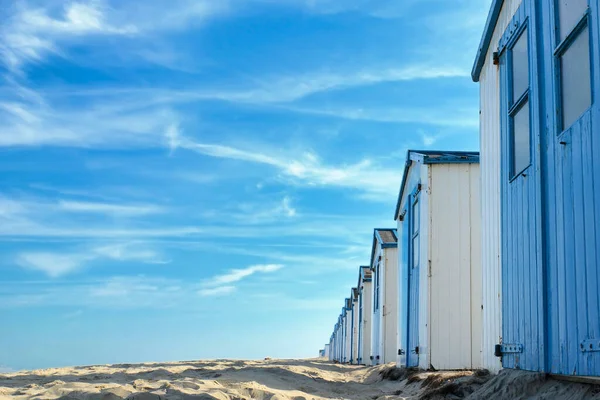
column 576, row 84
column 521, row 146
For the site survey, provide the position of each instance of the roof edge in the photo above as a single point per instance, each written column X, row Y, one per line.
column 424, row 157
column 407, row 165
column 377, row 238
column 486, row 39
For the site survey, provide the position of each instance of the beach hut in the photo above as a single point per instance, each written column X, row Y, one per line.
column 334, row 343
column 538, row 65
column 365, row 297
column 348, row 330
column 339, row 338
column 355, row 323
column 438, row 215
column 326, row 351
column 384, row 325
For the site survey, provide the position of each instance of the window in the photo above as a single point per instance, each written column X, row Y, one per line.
column 520, row 68
column 415, row 234
column 520, row 143
column 377, row 269
column 573, row 53
column 569, row 14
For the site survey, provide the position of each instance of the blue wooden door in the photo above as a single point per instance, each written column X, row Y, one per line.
column 360, row 327
column 572, row 193
column 352, row 358
column 376, row 344
column 522, row 268
column 412, row 359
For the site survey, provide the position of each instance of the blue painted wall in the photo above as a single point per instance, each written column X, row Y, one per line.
column 572, row 216
column 408, row 318
column 551, row 216
column 522, row 290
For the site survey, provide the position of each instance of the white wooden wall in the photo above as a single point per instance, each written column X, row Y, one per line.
column 376, row 318
column 367, row 316
column 390, row 305
column 454, row 254
column 347, row 341
column 490, row 194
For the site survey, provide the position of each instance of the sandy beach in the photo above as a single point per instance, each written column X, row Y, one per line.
column 277, row 380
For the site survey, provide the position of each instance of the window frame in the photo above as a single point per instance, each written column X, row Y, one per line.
column 559, row 49
column 377, row 287
column 415, row 233
column 514, row 106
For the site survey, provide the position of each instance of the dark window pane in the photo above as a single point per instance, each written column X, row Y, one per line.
column 521, row 143
column 520, row 66
column 416, row 251
column 569, row 13
column 575, row 77
column 416, row 217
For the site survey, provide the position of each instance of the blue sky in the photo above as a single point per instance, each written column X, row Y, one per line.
column 191, row 179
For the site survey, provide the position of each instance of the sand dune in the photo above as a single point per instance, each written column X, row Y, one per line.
column 220, row 379
column 274, row 380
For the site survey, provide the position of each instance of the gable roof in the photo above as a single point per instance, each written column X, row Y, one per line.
column 433, row 157
column 364, row 274
column 486, row 39
column 354, row 294
column 386, row 237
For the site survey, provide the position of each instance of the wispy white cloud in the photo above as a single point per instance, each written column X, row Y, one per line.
column 236, row 275
column 265, row 212
column 21, row 221
column 34, row 119
column 131, row 292
column 124, row 117
column 56, row 264
column 286, row 207
column 291, row 88
column 52, row 264
column 141, row 292
column 455, row 117
column 307, row 169
column 217, row 291
column 34, row 30
column 15, row 207
column 123, row 287
column 31, row 33
column 110, row 209
column 428, row 139
column 129, row 252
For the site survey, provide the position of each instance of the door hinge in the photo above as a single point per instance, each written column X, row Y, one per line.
column 501, row 349
column 590, row 345
column 429, row 268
